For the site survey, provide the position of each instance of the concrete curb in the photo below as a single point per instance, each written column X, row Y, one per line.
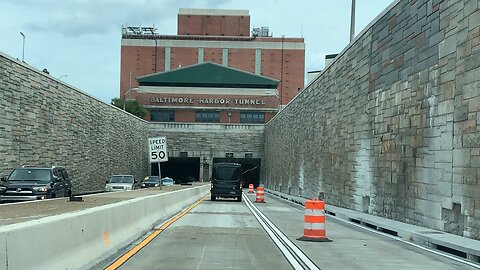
column 82, row 239
column 456, row 245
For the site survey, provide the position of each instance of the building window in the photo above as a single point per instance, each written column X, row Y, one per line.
column 252, row 117
column 162, row 116
column 207, row 117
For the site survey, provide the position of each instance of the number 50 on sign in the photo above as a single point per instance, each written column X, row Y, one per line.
column 158, row 149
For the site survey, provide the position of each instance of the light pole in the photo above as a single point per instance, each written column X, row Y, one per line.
column 281, row 74
column 124, row 96
column 352, row 22
column 23, row 47
column 61, row 76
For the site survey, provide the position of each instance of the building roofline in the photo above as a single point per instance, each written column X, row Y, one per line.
column 214, row 38
column 213, row 12
column 208, row 62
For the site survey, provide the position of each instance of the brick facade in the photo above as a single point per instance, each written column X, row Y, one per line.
column 213, row 25
column 278, row 58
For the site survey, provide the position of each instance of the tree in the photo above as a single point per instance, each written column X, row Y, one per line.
column 132, row 106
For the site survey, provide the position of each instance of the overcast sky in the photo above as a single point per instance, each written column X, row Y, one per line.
column 79, row 40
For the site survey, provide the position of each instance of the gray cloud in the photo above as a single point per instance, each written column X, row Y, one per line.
column 77, row 18
column 81, row 17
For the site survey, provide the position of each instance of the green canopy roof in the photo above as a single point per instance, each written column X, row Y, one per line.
column 207, row 74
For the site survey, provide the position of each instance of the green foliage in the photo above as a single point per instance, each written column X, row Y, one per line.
column 132, row 106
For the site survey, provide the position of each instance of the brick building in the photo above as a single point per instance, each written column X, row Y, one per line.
column 208, row 93
column 217, row 36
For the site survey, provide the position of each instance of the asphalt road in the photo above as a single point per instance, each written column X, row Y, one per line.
column 226, row 235
column 214, row 235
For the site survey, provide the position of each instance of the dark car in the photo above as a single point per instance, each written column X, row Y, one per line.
column 35, row 183
column 151, row 181
column 226, row 181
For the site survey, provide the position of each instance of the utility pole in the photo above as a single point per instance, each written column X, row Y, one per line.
column 352, row 22
column 129, row 89
column 281, row 74
column 23, row 47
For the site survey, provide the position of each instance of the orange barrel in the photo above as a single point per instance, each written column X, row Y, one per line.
column 250, row 188
column 260, row 194
column 314, row 228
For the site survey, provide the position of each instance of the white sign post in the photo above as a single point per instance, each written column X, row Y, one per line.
column 158, row 152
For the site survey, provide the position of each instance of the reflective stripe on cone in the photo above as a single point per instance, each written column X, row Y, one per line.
column 260, row 196
column 314, row 228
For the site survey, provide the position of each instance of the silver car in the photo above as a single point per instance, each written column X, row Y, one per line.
column 120, row 183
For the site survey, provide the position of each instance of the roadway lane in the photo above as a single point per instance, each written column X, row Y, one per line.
column 214, row 235
column 226, row 235
column 352, row 247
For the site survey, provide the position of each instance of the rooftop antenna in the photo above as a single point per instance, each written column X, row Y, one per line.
column 302, row 27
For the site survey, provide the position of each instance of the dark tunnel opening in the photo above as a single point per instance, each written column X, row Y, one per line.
column 181, row 170
column 250, row 167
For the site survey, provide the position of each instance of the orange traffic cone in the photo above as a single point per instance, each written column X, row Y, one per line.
column 250, row 188
column 314, row 218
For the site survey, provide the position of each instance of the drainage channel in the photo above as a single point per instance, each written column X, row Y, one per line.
column 295, row 256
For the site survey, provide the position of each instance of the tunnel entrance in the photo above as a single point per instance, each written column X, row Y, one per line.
column 181, row 170
column 250, row 167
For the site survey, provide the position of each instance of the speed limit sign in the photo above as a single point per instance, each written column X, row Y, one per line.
column 158, row 149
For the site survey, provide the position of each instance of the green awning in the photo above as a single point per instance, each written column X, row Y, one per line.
column 208, row 74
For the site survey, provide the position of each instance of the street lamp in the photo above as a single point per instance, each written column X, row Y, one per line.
column 352, row 22
column 23, row 47
column 61, row 76
column 124, row 96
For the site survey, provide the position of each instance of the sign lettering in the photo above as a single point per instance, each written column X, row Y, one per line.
column 215, row 101
column 158, row 149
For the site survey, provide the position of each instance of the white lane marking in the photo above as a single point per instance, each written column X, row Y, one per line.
column 201, row 258
column 277, row 242
column 390, row 236
column 276, row 234
column 27, row 217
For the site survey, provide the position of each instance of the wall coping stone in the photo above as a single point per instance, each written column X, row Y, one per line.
column 25, row 65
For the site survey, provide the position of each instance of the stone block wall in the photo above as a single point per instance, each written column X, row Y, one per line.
column 207, row 140
column 392, row 126
column 45, row 122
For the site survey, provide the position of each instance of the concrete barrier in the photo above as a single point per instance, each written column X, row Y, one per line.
column 80, row 240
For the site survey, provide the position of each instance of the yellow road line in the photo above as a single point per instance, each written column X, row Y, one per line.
column 149, row 238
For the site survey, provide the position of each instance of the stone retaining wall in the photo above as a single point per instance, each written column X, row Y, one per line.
column 45, row 122
column 392, row 126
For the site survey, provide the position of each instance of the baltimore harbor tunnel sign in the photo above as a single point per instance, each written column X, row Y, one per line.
column 194, row 101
